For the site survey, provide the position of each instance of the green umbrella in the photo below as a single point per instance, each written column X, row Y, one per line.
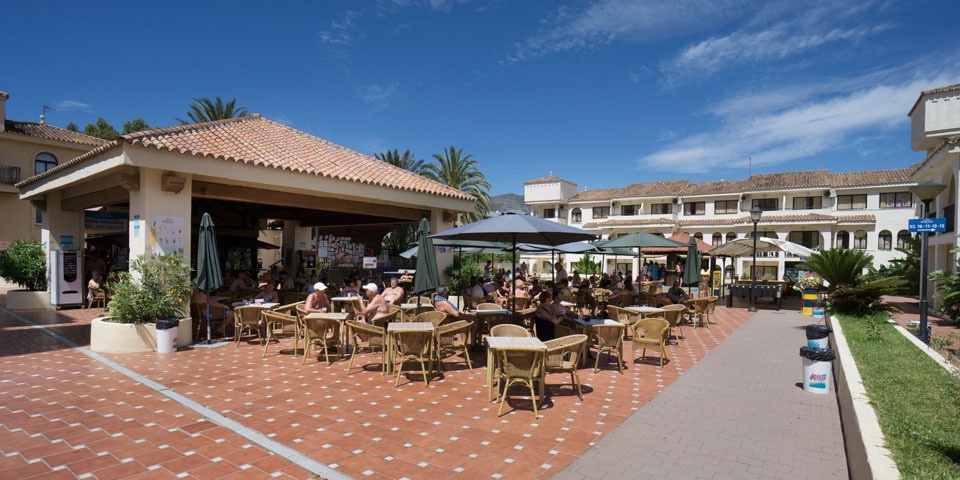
column 209, row 276
column 426, row 279
column 691, row 268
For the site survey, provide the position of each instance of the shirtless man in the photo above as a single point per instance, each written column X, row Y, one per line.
column 394, row 293
column 317, row 301
column 376, row 305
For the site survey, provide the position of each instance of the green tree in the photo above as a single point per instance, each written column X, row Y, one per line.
column 25, row 264
column 586, row 264
column 135, row 125
column 73, row 127
column 205, row 110
column 948, row 289
column 907, row 267
column 101, row 129
column 849, row 291
column 461, row 172
column 407, row 161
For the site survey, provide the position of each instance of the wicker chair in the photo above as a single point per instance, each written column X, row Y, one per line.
column 216, row 315
column 563, row 356
column 522, row 302
column 434, row 317
column 697, row 311
column 452, row 338
column 247, row 318
column 521, row 366
column 655, row 330
column 97, row 296
column 290, row 308
column 489, row 306
column 369, row 337
column 509, row 330
column 413, row 347
column 324, row 332
column 712, row 308
column 280, row 325
column 623, row 316
column 290, row 296
column 608, row 338
column 673, row 314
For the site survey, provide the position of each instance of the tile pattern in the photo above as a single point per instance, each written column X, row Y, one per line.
column 358, row 424
column 50, row 132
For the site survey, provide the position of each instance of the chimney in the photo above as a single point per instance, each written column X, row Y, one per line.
column 3, row 110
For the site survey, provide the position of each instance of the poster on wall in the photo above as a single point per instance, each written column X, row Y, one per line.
column 167, row 235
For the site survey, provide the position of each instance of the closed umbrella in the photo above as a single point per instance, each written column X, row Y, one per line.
column 691, row 268
column 426, row 279
column 209, row 276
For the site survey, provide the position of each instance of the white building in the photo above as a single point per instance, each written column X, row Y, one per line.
column 866, row 210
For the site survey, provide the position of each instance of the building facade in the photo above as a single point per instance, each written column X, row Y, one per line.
column 866, row 210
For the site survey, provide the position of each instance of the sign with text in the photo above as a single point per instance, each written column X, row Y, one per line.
column 369, row 263
column 930, row 225
column 104, row 222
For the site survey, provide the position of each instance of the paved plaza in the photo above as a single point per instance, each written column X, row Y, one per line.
column 226, row 412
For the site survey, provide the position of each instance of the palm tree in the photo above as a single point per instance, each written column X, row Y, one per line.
column 850, row 292
column 205, row 110
column 460, row 172
column 407, row 161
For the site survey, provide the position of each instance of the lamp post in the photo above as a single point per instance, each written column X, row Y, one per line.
column 926, row 192
column 755, row 214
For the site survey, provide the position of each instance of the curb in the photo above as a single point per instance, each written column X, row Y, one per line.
column 867, row 457
column 935, row 355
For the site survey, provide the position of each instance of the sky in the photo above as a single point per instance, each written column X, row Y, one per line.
column 603, row 93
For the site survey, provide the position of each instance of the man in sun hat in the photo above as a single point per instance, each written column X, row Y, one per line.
column 376, row 305
column 317, row 301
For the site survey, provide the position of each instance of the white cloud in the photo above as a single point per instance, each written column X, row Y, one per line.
column 378, row 95
column 343, row 32
column 71, row 105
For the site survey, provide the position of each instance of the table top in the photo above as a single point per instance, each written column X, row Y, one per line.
column 409, row 306
column 344, row 299
column 491, row 312
column 567, row 304
column 502, row 342
column 330, row 315
column 644, row 309
column 219, row 298
column 258, row 305
column 589, row 322
column 410, row 327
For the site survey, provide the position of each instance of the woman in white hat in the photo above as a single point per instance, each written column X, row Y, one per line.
column 317, row 301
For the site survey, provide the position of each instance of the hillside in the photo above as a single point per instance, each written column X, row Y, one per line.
column 508, row 201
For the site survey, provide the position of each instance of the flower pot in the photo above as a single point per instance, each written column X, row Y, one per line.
column 109, row 337
column 810, row 299
column 28, row 300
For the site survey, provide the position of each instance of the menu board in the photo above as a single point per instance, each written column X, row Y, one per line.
column 167, row 234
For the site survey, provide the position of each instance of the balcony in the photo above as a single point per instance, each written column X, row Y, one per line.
column 9, row 175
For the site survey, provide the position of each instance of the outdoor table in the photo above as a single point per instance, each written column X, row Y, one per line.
column 494, row 343
column 742, row 290
column 567, row 304
column 339, row 316
column 643, row 311
column 393, row 327
column 407, row 308
column 354, row 302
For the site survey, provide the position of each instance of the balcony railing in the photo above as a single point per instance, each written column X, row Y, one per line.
column 9, row 175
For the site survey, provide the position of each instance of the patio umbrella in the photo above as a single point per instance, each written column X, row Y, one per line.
column 744, row 246
column 641, row 240
column 513, row 228
column 426, row 279
column 209, row 276
column 691, row 267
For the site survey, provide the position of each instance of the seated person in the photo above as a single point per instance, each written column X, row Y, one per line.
column 441, row 304
column 546, row 317
column 286, row 282
column 317, row 301
column 535, row 288
column 394, row 293
column 676, row 294
column 376, row 305
column 350, row 290
column 94, row 284
column 242, row 280
column 267, row 293
column 476, row 293
column 215, row 307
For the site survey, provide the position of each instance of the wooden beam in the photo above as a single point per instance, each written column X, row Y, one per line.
column 110, row 196
column 271, row 197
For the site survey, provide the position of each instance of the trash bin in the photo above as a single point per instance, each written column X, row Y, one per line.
column 818, row 311
column 167, row 334
column 818, row 336
column 817, row 364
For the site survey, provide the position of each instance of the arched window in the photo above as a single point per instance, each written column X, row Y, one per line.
column 698, row 236
column 576, row 216
column 885, row 240
column 903, row 238
column 860, row 240
column 43, row 162
column 717, row 239
column 731, row 236
column 843, row 239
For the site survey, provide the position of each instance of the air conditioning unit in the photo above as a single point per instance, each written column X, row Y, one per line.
column 826, row 194
column 613, row 204
column 744, row 197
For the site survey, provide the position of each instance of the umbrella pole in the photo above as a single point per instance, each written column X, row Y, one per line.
column 553, row 267
column 209, row 317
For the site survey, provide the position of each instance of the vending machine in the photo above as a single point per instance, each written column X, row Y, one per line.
column 66, row 278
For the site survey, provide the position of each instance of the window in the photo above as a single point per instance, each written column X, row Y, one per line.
column 767, row 272
column 843, row 239
column 763, row 234
column 37, row 216
column 765, row 204
column 851, row 202
column 717, row 239
column 860, row 240
column 43, row 162
column 628, row 210
column 807, row 239
column 885, row 240
column 896, row 200
column 549, row 212
column 601, row 212
column 576, row 215
column 695, row 208
column 903, row 239
column 698, row 236
column 731, row 236
column 806, row 203
column 661, row 208
column 725, row 206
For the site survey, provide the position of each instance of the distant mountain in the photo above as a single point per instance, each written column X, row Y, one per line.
column 508, row 201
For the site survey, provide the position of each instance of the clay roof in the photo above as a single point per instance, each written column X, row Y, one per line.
column 548, row 179
column 597, row 195
column 871, row 178
column 635, row 190
column 254, row 140
column 49, row 132
column 787, row 180
column 641, row 222
column 712, row 188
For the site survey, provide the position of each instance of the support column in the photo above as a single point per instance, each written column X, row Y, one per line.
column 440, row 221
column 160, row 216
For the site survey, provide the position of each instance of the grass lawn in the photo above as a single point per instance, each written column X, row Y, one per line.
column 917, row 401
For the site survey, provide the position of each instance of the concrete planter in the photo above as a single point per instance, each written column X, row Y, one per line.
column 27, row 300
column 109, row 337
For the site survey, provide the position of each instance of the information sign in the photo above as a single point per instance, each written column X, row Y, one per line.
column 930, row 225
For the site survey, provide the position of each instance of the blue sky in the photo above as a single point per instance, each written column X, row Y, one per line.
column 603, row 92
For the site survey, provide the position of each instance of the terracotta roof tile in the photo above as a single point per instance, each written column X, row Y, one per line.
column 708, row 222
column 713, row 188
column 597, row 195
column 548, row 179
column 636, row 190
column 258, row 141
column 49, row 132
column 871, row 178
column 624, row 222
column 787, row 180
column 856, row 219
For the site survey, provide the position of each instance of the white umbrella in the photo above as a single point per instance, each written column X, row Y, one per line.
column 744, row 247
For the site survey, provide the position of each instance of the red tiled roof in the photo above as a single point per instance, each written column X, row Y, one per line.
column 254, row 140
column 871, row 178
column 787, row 180
column 597, row 195
column 855, row 219
column 642, row 222
column 49, row 132
column 548, row 179
column 635, row 190
column 712, row 188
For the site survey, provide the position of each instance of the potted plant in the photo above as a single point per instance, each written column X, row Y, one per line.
column 25, row 264
column 157, row 287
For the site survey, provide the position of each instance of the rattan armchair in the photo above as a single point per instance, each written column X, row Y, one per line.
column 608, row 338
column 368, row 337
column 281, row 325
column 434, row 317
column 521, row 366
column 712, row 308
column 324, row 332
column 215, row 315
column 623, row 316
column 563, row 356
column 290, row 308
column 413, row 346
column 247, row 318
column 452, row 338
column 509, row 330
column 697, row 311
column 654, row 336
column 673, row 314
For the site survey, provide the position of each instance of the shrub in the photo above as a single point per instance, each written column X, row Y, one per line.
column 161, row 288
column 948, row 290
column 25, row 264
column 848, row 291
column 586, row 265
column 460, row 275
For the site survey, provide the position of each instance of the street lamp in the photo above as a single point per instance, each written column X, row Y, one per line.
column 926, row 192
column 755, row 214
